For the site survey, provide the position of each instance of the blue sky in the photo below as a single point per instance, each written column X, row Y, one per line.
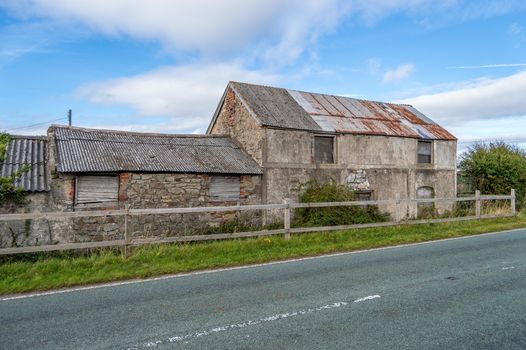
column 162, row 65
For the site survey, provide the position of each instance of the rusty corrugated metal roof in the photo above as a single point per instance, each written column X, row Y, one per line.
column 31, row 151
column 81, row 150
column 291, row 109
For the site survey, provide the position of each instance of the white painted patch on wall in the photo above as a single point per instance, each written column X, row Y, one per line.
column 187, row 337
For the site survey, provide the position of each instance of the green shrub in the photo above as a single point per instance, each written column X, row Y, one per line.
column 4, row 141
column 332, row 192
column 496, row 168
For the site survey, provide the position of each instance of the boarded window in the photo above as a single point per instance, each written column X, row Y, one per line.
column 96, row 189
column 427, row 208
column 324, row 149
column 364, row 195
column 424, row 152
column 224, row 188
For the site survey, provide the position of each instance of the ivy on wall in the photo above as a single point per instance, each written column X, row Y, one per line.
column 8, row 191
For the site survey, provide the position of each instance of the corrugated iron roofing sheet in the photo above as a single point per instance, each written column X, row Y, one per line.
column 82, row 150
column 31, row 151
column 274, row 107
column 293, row 109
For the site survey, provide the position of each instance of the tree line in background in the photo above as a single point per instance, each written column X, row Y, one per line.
column 495, row 168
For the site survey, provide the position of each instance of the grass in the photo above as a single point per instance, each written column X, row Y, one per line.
column 42, row 272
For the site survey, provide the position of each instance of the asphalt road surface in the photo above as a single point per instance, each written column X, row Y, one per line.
column 467, row 293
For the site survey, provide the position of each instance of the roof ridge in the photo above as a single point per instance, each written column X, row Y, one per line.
column 320, row 93
column 136, row 133
column 29, row 137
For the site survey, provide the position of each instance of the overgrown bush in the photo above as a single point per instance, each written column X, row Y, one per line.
column 332, row 192
column 496, row 168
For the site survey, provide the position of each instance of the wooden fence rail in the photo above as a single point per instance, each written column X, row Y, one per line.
column 286, row 206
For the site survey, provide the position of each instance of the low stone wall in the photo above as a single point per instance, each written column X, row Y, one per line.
column 26, row 232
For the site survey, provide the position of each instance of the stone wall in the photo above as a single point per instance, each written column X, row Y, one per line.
column 135, row 191
column 20, row 233
column 235, row 120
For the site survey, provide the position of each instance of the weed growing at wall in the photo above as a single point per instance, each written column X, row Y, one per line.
column 8, row 190
column 332, row 192
column 4, row 141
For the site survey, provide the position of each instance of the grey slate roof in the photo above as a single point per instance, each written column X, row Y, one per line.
column 81, row 150
column 291, row 109
column 32, row 151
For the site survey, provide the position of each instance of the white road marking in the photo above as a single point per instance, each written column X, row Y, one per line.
column 187, row 337
column 508, row 268
column 367, row 298
column 123, row 283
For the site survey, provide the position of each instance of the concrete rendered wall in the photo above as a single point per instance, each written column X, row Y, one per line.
column 386, row 165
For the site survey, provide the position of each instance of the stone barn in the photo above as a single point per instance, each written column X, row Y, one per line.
column 378, row 149
column 89, row 169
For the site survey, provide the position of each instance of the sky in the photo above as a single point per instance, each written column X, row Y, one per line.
column 162, row 65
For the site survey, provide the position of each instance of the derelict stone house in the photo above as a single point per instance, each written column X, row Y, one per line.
column 261, row 146
column 88, row 169
column 378, row 149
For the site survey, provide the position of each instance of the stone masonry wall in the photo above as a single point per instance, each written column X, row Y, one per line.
column 235, row 120
column 136, row 191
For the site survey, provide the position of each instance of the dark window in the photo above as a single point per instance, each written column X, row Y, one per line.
column 364, row 195
column 324, row 149
column 97, row 189
column 224, row 188
column 424, row 152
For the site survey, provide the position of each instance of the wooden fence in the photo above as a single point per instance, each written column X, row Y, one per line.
column 287, row 230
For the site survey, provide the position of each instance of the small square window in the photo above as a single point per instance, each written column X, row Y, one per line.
column 324, row 149
column 424, row 152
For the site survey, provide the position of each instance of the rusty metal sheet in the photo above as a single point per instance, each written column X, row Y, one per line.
column 439, row 132
column 318, row 112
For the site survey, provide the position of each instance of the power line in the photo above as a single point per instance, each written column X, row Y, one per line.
column 38, row 124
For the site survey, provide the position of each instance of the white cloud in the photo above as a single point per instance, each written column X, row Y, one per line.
column 272, row 28
column 399, row 73
column 484, row 99
column 188, row 93
column 498, row 65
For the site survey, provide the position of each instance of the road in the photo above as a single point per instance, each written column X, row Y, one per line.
column 467, row 293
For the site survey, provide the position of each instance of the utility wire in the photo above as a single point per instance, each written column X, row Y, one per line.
column 38, row 124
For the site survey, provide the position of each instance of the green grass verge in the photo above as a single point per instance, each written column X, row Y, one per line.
column 47, row 272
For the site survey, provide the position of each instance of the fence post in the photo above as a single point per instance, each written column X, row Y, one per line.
column 398, row 208
column 126, row 239
column 513, row 207
column 286, row 218
column 477, row 204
